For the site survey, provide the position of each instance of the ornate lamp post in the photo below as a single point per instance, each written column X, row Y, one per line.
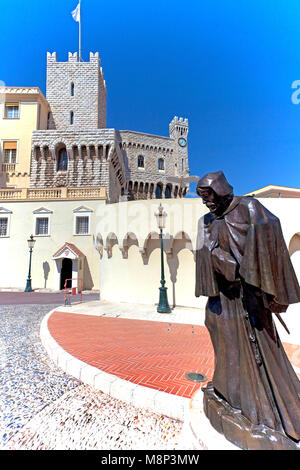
column 31, row 243
column 163, row 306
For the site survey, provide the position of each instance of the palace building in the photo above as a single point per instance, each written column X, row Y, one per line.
column 60, row 164
column 71, row 147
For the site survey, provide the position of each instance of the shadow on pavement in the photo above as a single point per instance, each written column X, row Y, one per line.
column 17, row 298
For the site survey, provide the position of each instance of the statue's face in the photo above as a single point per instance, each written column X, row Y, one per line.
column 213, row 202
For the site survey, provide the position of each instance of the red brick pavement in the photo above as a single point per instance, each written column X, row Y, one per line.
column 148, row 353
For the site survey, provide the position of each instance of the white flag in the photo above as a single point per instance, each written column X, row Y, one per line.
column 76, row 13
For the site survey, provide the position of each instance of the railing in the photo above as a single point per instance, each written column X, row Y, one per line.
column 86, row 193
column 55, row 193
column 72, row 290
column 11, row 194
column 52, row 194
column 8, row 167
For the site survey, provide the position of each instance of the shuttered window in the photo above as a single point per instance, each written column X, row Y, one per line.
column 10, row 151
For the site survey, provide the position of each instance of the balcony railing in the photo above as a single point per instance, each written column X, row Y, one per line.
column 30, row 194
column 8, row 167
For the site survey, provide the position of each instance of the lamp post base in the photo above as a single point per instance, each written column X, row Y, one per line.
column 163, row 306
column 28, row 286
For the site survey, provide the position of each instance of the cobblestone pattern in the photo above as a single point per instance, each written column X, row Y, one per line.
column 44, row 408
column 85, row 420
column 29, row 380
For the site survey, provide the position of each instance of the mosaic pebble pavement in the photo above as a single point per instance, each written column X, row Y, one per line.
column 42, row 408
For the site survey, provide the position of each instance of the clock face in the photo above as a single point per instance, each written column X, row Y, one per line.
column 182, row 142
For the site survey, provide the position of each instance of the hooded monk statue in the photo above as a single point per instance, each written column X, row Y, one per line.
column 243, row 267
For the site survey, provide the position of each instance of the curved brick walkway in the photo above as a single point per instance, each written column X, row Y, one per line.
column 148, row 353
column 153, row 354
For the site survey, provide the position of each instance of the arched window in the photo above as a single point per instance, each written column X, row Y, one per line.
column 62, row 162
column 140, row 161
column 161, row 164
column 72, row 89
column 158, row 191
column 71, row 117
column 168, row 191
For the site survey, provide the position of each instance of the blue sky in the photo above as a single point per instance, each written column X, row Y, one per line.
column 226, row 65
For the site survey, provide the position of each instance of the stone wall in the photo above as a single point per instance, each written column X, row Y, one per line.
column 92, row 156
column 152, row 148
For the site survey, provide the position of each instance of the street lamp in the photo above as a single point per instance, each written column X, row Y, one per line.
column 31, row 243
column 163, row 306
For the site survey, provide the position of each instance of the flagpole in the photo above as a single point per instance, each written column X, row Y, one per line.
column 79, row 30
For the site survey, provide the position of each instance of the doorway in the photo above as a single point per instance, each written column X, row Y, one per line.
column 66, row 272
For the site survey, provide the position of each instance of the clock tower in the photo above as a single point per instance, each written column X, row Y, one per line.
column 179, row 129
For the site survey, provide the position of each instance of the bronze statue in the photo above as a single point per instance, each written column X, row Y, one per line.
column 243, row 267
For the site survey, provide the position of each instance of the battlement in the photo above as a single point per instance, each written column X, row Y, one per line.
column 51, row 57
column 178, row 124
column 73, row 57
column 176, row 119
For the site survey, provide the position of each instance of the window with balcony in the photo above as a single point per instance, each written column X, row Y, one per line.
column 9, row 157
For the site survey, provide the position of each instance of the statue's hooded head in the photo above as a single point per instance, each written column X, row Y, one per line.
column 215, row 191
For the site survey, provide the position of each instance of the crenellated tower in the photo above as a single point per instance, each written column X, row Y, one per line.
column 178, row 129
column 76, row 93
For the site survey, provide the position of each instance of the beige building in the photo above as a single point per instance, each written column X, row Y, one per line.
column 63, row 225
column 274, row 191
column 22, row 111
